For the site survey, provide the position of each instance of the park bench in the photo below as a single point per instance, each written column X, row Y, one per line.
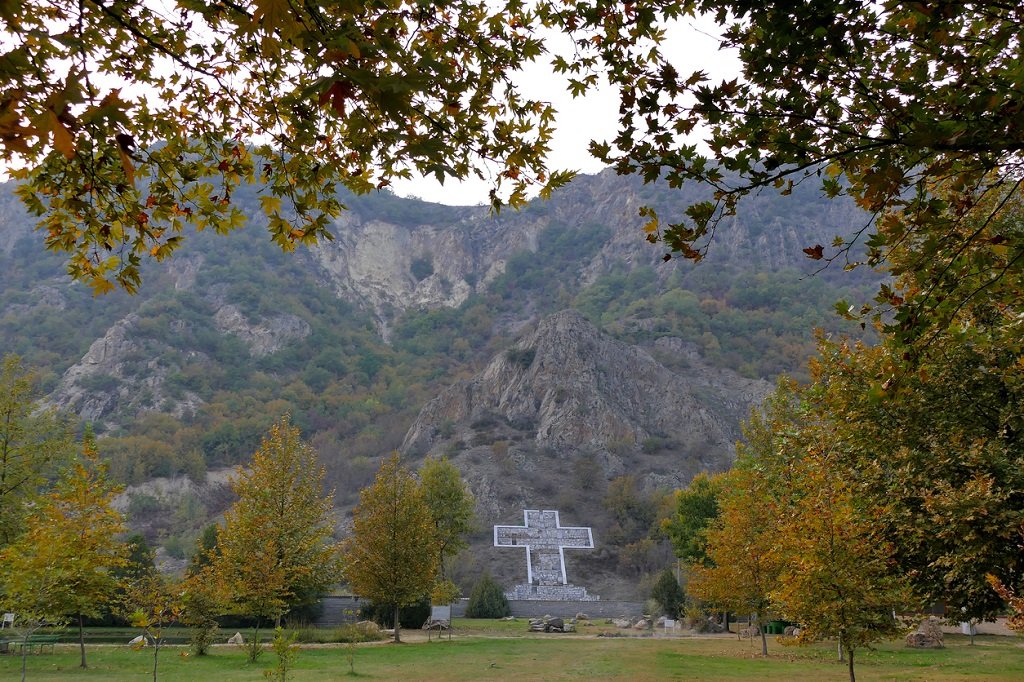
column 37, row 642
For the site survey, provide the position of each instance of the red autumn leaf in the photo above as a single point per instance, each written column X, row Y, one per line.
column 815, row 252
column 339, row 91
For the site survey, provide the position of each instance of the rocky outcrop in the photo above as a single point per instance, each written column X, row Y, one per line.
column 119, row 373
column 265, row 337
column 389, row 267
column 568, row 387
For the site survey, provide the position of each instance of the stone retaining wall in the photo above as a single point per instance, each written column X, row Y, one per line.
column 527, row 608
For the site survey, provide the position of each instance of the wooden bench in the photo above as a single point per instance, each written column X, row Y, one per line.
column 37, row 642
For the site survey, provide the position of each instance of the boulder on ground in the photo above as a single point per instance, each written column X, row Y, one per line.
column 368, row 626
column 236, row 639
column 928, row 634
column 582, row 616
column 749, row 633
column 550, row 624
column 788, row 632
column 622, row 622
column 660, row 623
column 642, row 624
column 138, row 642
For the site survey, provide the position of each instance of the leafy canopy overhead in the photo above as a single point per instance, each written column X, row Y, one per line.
column 914, row 109
column 131, row 121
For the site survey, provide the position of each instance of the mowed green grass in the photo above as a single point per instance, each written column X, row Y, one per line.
column 478, row 655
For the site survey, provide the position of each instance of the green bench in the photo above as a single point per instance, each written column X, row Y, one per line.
column 37, row 642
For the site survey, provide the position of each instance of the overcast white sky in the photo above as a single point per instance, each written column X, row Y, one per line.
column 580, row 120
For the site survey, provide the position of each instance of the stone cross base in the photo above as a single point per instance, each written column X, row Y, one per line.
column 550, row 593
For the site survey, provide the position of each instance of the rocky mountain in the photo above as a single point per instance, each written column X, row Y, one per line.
column 569, row 388
column 440, row 258
column 549, row 352
column 548, row 422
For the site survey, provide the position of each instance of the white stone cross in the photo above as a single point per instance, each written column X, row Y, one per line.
column 545, row 541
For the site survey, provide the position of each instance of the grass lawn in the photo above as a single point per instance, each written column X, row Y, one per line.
column 487, row 652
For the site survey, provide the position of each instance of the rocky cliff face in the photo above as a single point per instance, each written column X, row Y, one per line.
column 568, row 414
column 571, row 390
column 264, row 337
column 374, row 262
column 120, row 372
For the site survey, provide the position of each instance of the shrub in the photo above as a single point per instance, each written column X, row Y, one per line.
column 523, row 357
column 422, row 267
column 411, row 617
column 487, row 600
column 668, row 594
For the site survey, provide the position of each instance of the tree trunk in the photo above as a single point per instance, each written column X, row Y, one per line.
column 398, row 639
column 24, row 654
column 81, row 639
column 156, row 652
column 254, row 650
column 764, row 638
column 839, row 649
column 849, row 664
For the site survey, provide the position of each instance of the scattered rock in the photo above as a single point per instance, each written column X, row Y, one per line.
column 237, row 639
column 550, row 624
column 368, row 626
column 790, row 630
column 622, row 622
column 749, row 633
column 660, row 623
column 928, row 635
column 138, row 642
column 582, row 616
column 642, row 624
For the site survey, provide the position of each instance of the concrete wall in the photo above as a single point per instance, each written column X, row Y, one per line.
column 568, row 609
column 334, row 609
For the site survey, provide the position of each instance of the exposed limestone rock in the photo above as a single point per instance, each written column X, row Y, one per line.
column 45, row 295
column 264, row 338
column 372, row 262
column 119, row 371
column 568, row 386
column 185, row 270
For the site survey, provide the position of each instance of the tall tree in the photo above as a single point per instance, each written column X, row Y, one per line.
column 392, row 555
column 63, row 565
column 839, row 576
column 451, row 507
column 742, row 557
column 275, row 548
column 33, row 443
